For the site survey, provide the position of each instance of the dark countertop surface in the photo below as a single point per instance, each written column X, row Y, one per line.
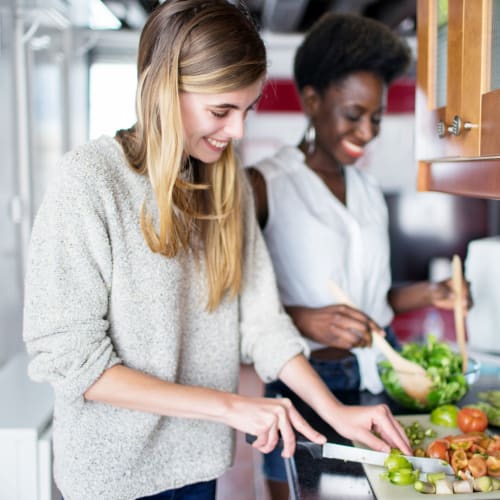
column 315, row 479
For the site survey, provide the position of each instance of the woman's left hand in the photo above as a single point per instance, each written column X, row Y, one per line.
column 443, row 296
column 374, row 426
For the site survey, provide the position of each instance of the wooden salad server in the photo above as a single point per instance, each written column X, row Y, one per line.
column 457, row 283
column 412, row 376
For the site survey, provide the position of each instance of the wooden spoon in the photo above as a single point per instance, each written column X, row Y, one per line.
column 457, row 283
column 412, row 376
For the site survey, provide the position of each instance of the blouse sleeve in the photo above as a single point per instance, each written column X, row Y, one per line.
column 269, row 338
column 67, row 287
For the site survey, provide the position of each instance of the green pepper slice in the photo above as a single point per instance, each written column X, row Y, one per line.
column 403, row 477
column 396, row 462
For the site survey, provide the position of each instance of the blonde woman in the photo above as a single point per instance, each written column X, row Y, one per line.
column 149, row 282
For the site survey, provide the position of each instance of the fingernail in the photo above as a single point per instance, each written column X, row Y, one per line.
column 322, row 437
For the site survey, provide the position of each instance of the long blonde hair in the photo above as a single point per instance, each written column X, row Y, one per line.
column 205, row 47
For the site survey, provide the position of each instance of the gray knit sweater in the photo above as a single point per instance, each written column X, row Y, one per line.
column 97, row 296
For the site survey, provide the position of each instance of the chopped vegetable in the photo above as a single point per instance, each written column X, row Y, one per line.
column 460, row 445
column 424, row 487
column 403, row 477
column 397, row 461
column 399, row 470
column 438, row 449
column 432, row 477
column 419, row 452
column 493, row 466
column 458, row 460
column 477, row 466
column 444, row 487
column 471, row 455
column 462, row 486
column 443, row 366
column 483, row 484
column 416, row 433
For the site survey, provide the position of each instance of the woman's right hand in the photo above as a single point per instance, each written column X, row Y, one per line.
column 269, row 419
column 336, row 325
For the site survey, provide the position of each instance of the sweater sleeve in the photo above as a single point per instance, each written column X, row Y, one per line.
column 67, row 287
column 269, row 337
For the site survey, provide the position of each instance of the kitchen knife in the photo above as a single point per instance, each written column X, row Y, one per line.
column 366, row 456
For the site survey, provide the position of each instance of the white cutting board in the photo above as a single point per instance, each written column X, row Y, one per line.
column 384, row 490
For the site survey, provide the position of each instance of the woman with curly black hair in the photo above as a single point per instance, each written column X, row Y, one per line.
column 324, row 220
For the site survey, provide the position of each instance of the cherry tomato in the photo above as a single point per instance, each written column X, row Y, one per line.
column 460, row 445
column 458, row 460
column 474, row 436
column 438, row 449
column 493, row 444
column 493, row 464
column 477, row 466
column 465, row 441
column 472, row 420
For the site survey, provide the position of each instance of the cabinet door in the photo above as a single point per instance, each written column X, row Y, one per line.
column 490, row 93
column 458, row 79
column 439, row 76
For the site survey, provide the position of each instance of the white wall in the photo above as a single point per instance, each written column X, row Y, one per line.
column 390, row 157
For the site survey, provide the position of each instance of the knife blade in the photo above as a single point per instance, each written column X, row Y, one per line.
column 372, row 457
column 365, row 456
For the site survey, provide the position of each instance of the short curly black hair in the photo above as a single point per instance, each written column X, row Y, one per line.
column 340, row 44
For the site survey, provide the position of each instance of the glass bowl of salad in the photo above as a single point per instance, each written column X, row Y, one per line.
column 443, row 367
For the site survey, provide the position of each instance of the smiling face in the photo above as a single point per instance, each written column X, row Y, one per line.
column 346, row 116
column 212, row 121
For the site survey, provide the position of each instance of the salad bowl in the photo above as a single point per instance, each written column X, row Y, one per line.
column 443, row 367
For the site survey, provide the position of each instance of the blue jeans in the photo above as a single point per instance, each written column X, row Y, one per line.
column 196, row 491
column 339, row 375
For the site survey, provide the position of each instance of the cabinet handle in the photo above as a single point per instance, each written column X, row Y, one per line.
column 456, row 126
column 441, row 129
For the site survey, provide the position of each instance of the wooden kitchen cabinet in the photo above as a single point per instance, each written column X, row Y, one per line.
column 458, row 97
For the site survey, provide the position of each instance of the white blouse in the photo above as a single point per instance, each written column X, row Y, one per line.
column 312, row 237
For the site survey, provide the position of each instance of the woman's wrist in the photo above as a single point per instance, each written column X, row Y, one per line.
column 300, row 317
column 433, row 291
column 439, row 291
column 414, row 296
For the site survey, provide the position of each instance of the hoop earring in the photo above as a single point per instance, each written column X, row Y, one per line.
column 310, row 138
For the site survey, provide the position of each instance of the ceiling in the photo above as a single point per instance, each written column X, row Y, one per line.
column 288, row 16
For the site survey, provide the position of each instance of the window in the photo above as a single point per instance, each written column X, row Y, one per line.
column 112, row 89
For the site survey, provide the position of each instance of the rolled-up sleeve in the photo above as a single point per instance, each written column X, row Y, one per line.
column 67, row 287
column 269, row 338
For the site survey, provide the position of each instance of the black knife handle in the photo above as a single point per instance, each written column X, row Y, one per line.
column 316, row 450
